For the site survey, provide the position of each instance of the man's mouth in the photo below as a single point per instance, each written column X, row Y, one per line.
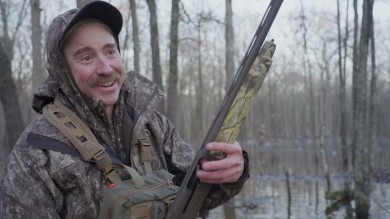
column 106, row 84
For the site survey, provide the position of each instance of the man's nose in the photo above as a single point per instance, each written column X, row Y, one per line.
column 103, row 65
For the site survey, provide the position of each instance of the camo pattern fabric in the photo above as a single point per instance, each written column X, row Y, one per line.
column 49, row 184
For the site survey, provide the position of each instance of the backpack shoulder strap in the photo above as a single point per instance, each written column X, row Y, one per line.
column 145, row 150
column 85, row 142
column 46, row 143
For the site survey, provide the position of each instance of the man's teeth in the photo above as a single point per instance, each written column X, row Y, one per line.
column 107, row 84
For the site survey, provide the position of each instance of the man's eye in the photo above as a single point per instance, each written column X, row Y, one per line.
column 112, row 52
column 86, row 59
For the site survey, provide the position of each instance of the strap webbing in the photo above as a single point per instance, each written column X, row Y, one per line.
column 46, row 143
column 144, row 150
column 85, row 142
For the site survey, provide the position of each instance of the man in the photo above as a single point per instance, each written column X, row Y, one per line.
column 86, row 74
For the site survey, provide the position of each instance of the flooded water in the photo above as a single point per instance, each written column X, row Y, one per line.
column 268, row 199
column 265, row 195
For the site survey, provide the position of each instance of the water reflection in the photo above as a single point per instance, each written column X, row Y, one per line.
column 265, row 196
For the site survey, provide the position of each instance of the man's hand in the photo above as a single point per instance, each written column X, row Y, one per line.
column 227, row 170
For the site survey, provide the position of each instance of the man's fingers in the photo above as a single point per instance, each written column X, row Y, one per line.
column 228, row 169
column 223, row 164
column 216, row 177
column 233, row 158
column 224, row 147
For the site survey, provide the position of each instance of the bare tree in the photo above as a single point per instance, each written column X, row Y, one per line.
column 307, row 68
column 362, row 172
column 199, row 23
column 309, row 87
column 126, row 37
column 373, row 115
column 136, row 42
column 229, row 210
column 154, row 42
column 8, row 91
column 342, row 47
column 38, row 75
column 200, row 87
column 355, row 61
column 229, row 43
column 272, row 90
column 324, row 63
column 172, row 100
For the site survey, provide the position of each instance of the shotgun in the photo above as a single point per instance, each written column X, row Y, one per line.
column 231, row 115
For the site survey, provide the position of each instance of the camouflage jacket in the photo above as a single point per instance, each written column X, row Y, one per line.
column 49, row 184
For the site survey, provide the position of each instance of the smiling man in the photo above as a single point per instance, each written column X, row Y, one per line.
column 95, row 62
column 45, row 175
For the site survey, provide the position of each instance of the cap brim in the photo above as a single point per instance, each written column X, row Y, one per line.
column 101, row 11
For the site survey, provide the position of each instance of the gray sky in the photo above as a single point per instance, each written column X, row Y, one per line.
column 246, row 14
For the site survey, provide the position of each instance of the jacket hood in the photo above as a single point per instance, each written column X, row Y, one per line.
column 60, row 26
column 59, row 83
column 137, row 91
column 55, row 63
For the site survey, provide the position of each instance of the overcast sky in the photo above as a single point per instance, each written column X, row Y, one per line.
column 246, row 14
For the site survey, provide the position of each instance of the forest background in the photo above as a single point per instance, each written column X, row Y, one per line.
column 327, row 94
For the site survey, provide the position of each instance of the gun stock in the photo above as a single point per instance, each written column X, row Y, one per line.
column 231, row 115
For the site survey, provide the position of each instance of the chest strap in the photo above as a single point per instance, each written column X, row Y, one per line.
column 85, row 142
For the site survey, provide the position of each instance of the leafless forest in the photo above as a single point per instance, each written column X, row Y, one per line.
column 322, row 110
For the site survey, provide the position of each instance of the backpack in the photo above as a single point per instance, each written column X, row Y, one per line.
column 152, row 200
column 146, row 197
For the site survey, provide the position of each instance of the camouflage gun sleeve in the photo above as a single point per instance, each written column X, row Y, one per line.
column 228, row 133
column 236, row 117
column 180, row 158
column 233, row 122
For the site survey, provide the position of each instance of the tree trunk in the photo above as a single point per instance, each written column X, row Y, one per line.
column 229, row 43
column 39, row 74
column 157, row 75
column 198, row 131
column 125, row 40
column 355, row 62
column 307, row 68
column 136, row 41
column 324, row 109
column 272, row 135
column 172, row 100
column 229, row 208
column 355, row 67
column 362, row 171
column 9, row 99
column 8, row 92
column 288, row 194
column 373, row 121
column 342, row 46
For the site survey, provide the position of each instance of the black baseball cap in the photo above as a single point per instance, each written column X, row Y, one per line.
column 101, row 11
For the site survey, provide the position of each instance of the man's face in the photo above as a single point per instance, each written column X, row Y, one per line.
column 95, row 62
